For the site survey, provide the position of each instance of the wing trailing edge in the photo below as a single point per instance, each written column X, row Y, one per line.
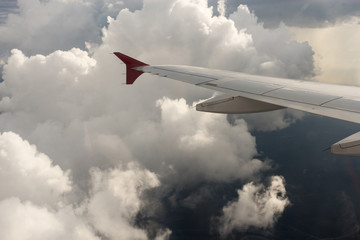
column 349, row 146
column 234, row 105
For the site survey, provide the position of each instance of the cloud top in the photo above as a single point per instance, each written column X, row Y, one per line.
column 256, row 206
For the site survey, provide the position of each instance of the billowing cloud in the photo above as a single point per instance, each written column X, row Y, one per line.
column 215, row 150
column 34, row 195
column 255, row 207
column 24, row 220
column 42, row 26
column 180, row 135
column 28, row 174
column 120, row 141
column 72, row 93
column 278, row 55
column 115, row 201
column 37, row 196
column 300, row 13
column 237, row 43
column 37, row 26
column 335, row 63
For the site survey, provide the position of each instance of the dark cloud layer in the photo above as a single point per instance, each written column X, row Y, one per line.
column 301, row 13
column 7, row 7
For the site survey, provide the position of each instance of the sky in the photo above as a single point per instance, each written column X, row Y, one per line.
column 83, row 156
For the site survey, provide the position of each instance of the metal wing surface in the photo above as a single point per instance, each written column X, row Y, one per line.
column 244, row 93
column 336, row 101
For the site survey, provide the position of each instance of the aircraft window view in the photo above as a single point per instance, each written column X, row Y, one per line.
column 179, row 119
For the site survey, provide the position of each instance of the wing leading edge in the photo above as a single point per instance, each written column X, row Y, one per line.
column 245, row 93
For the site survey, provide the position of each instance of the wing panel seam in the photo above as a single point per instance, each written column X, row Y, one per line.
column 262, row 94
column 330, row 101
column 271, row 91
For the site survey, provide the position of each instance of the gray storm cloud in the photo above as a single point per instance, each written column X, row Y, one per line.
column 94, row 134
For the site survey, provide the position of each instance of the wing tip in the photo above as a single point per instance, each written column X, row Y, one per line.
column 131, row 74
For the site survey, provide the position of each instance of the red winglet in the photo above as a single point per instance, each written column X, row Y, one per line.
column 131, row 74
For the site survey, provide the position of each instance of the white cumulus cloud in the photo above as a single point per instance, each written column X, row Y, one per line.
column 28, row 174
column 71, row 105
column 256, row 206
column 115, row 201
column 24, row 220
column 39, row 26
column 35, row 200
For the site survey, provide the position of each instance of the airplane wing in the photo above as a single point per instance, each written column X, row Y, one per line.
column 245, row 93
